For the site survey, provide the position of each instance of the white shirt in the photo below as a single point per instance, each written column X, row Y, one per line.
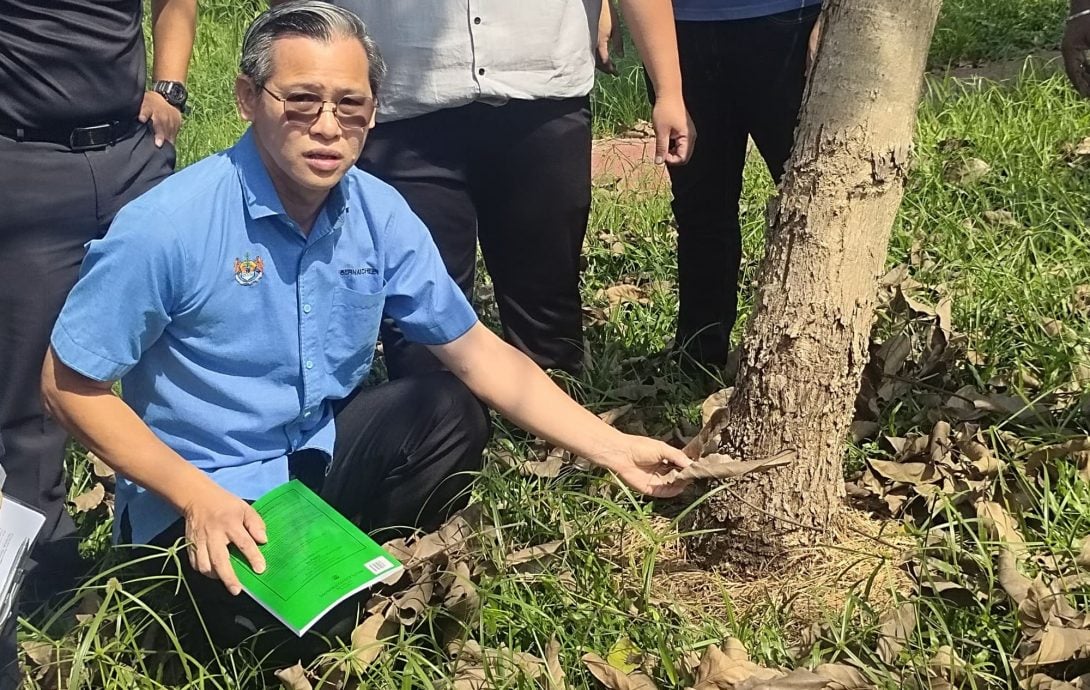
column 449, row 53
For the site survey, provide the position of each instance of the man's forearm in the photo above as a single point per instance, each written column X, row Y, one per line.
column 652, row 25
column 173, row 27
column 110, row 429
column 508, row 382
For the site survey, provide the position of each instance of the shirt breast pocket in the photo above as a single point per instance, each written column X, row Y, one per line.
column 350, row 340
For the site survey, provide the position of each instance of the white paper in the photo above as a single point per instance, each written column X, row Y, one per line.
column 19, row 527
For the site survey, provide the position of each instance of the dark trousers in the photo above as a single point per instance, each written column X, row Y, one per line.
column 515, row 177
column 52, row 202
column 741, row 79
column 404, row 458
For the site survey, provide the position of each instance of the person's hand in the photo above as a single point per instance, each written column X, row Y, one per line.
column 213, row 521
column 675, row 134
column 813, row 43
column 610, row 39
column 1076, row 53
column 643, row 463
column 166, row 120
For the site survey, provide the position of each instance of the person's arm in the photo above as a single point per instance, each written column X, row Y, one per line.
column 173, row 27
column 652, row 25
column 506, row 380
column 610, row 39
column 1076, row 46
column 110, row 429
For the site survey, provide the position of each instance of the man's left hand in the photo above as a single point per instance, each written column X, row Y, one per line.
column 675, row 134
column 643, row 464
column 610, row 39
column 166, row 120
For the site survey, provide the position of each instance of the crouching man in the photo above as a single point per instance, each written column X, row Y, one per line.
column 239, row 304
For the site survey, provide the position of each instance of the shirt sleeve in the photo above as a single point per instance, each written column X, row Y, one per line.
column 421, row 297
column 123, row 298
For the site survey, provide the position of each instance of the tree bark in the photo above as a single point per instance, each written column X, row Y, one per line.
column 806, row 342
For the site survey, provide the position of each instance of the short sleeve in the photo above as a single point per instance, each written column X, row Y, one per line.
column 421, row 297
column 123, row 298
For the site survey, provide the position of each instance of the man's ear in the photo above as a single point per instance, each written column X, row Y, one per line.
column 246, row 97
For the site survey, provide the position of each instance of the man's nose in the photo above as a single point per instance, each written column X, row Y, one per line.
column 326, row 124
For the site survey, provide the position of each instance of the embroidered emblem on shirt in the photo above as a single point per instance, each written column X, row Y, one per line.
column 248, row 271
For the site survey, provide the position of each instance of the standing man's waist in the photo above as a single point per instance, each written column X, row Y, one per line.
column 84, row 137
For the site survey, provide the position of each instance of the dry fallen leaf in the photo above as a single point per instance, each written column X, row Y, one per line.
column 611, row 417
column 532, row 559
column 554, row 673
column 1001, row 526
column 368, row 640
column 718, row 466
column 894, row 631
column 967, row 171
column 1058, row 644
column 89, row 500
column 623, row 293
column 99, row 468
column 294, row 678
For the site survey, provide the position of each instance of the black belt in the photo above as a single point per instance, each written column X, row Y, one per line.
column 78, row 139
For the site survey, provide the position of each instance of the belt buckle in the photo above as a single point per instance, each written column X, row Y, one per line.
column 89, row 138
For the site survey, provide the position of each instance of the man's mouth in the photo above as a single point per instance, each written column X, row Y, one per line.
column 324, row 161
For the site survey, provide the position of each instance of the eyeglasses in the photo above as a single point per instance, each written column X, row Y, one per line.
column 352, row 112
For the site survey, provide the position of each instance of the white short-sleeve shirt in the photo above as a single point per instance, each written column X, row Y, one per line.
column 448, row 53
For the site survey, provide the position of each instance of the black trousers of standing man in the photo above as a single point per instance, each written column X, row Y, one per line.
column 517, row 178
column 741, row 79
column 52, row 202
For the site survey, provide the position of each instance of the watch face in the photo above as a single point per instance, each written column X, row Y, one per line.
column 173, row 92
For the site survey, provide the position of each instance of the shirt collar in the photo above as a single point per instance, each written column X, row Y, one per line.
column 257, row 187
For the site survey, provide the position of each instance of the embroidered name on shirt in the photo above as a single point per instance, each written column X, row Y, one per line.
column 365, row 271
column 248, row 271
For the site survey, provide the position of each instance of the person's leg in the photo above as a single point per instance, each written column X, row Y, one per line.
column 531, row 186
column 405, row 452
column 48, row 201
column 706, row 194
column 776, row 74
column 424, row 159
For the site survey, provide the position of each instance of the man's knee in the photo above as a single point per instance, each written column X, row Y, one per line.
column 460, row 413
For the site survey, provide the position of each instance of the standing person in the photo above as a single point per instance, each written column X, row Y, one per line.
column 485, row 130
column 80, row 135
column 1076, row 46
column 744, row 65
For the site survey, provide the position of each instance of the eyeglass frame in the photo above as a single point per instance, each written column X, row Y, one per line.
column 321, row 109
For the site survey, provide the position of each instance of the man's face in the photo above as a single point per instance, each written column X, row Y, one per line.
column 307, row 155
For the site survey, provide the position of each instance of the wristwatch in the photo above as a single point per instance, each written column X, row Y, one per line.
column 173, row 92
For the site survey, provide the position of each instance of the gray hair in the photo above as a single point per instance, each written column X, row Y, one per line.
column 321, row 21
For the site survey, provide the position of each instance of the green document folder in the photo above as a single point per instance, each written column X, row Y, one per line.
column 314, row 559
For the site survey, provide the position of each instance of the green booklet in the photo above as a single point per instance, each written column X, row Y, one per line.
column 314, row 558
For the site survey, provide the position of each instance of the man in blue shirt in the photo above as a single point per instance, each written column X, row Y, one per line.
column 239, row 303
column 743, row 66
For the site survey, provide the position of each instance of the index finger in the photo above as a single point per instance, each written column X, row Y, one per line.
column 245, row 543
column 676, row 457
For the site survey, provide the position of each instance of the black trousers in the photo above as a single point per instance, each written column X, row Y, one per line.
column 515, row 177
column 741, row 79
column 404, row 458
column 52, row 202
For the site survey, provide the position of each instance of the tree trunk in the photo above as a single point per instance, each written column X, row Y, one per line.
column 806, row 341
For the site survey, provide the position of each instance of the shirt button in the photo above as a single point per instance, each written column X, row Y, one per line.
column 476, row 20
column 309, row 364
column 306, row 413
column 306, row 308
column 481, row 71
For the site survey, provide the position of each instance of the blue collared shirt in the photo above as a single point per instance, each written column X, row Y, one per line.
column 231, row 331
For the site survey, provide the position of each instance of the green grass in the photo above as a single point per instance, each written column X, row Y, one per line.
column 1005, row 279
